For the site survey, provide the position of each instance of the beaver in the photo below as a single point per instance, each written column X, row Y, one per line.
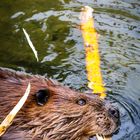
column 52, row 111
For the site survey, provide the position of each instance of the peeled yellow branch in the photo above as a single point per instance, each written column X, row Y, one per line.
column 90, row 37
column 92, row 53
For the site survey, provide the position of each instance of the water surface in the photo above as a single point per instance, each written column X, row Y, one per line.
column 53, row 28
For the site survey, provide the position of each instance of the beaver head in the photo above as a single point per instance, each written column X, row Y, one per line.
column 54, row 112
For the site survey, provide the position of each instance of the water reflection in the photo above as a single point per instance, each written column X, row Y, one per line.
column 53, row 29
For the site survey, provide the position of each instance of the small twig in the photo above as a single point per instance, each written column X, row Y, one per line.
column 9, row 118
column 31, row 44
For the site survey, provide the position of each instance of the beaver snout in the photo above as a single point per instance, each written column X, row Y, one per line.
column 114, row 112
column 115, row 115
column 108, row 119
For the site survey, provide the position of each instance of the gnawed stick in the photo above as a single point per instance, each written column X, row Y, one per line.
column 90, row 37
column 9, row 118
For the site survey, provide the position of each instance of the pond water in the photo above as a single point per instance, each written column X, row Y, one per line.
column 53, row 28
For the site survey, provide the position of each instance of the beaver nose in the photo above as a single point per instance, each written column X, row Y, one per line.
column 113, row 112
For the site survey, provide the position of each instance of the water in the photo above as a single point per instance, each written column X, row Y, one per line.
column 53, row 28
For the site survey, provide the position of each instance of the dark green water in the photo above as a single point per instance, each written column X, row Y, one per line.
column 53, row 29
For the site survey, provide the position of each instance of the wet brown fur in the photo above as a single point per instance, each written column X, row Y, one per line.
column 61, row 118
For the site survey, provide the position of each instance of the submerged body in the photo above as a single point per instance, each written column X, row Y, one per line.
column 52, row 111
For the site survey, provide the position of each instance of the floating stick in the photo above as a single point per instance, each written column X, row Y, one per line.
column 92, row 53
column 9, row 118
column 90, row 37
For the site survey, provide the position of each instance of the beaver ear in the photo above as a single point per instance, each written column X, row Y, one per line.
column 42, row 96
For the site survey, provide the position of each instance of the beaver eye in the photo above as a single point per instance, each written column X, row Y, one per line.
column 81, row 102
column 42, row 96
